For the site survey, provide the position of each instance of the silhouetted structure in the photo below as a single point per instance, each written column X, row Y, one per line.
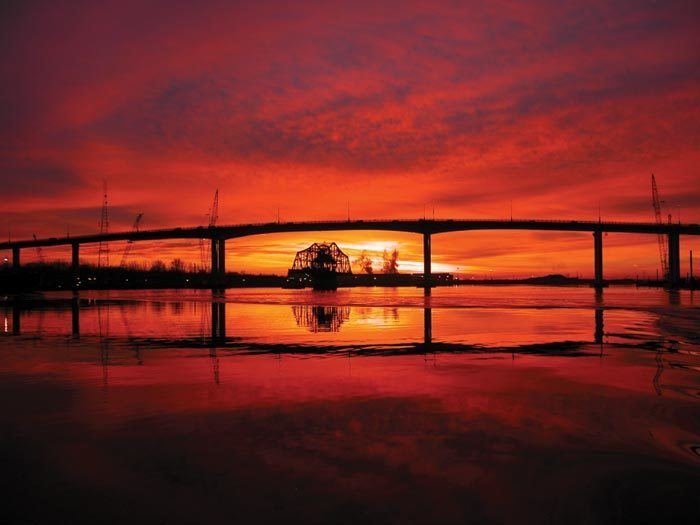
column 656, row 201
column 213, row 217
column 130, row 243
column 321, row 263
column 427, row 228
column 103, row 248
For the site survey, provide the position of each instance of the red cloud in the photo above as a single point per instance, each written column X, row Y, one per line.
column 556, row 108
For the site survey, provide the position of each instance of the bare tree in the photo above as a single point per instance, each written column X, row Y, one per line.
column 391, row 261
column 365, row 263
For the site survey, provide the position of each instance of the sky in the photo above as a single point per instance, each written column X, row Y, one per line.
column 554, row 109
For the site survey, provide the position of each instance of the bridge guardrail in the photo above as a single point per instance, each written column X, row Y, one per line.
column 195, row 229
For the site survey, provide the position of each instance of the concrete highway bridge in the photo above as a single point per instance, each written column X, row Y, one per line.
column 427, row 228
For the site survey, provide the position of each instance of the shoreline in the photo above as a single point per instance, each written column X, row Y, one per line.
column 58, row 277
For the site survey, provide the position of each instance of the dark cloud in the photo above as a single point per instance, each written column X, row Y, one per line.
column 558, row 106
column 30, row 178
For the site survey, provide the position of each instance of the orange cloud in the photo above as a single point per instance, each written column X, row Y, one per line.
column 392, row 109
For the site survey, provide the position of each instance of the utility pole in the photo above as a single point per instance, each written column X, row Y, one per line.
column 691, row 267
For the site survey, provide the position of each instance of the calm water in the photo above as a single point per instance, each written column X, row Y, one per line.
column 479, row 404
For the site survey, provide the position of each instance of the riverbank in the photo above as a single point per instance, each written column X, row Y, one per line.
column 58, row 276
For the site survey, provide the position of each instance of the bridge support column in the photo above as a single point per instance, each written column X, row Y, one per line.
column 214, row 257
column 15, row 257
column 427, row 273
column 222, row 256
column 674, row 260
column 598, row 281
column 75, row 266
column 218, row 261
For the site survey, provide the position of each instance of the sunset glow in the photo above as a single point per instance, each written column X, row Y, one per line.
column 553, row 110
column 371, row 262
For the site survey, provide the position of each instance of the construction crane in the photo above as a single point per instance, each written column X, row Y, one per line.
column 657, row 213
column 39, row 252
column 103, row 248
column 213, row 217
column 129, row 243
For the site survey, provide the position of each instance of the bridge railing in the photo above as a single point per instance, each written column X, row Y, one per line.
column 195, row 229
column 545, row 221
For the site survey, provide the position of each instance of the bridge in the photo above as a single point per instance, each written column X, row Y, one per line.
column 425, row 227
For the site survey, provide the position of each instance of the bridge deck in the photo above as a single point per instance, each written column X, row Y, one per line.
column 411, row 226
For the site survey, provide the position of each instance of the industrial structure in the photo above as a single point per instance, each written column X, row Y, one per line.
column 656, row 202
column 130, row 243
column 103, row 248
column 319, row 265
column 213, row 217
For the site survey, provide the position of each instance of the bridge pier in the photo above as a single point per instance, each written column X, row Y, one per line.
column 222, row 256
column 75, row 265
column 15, row 257
column 214, row 257
column 427, row 273
column 674, row 260
column 598, row 281
column 218, row 261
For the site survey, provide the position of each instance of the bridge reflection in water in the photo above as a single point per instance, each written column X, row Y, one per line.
column 314, row 318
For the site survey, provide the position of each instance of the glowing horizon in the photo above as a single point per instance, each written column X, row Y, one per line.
column 554, row 110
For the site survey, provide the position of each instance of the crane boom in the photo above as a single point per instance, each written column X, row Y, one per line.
column 660, row 237
column 103, row 247
column 129, row 243
column 213, row 217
